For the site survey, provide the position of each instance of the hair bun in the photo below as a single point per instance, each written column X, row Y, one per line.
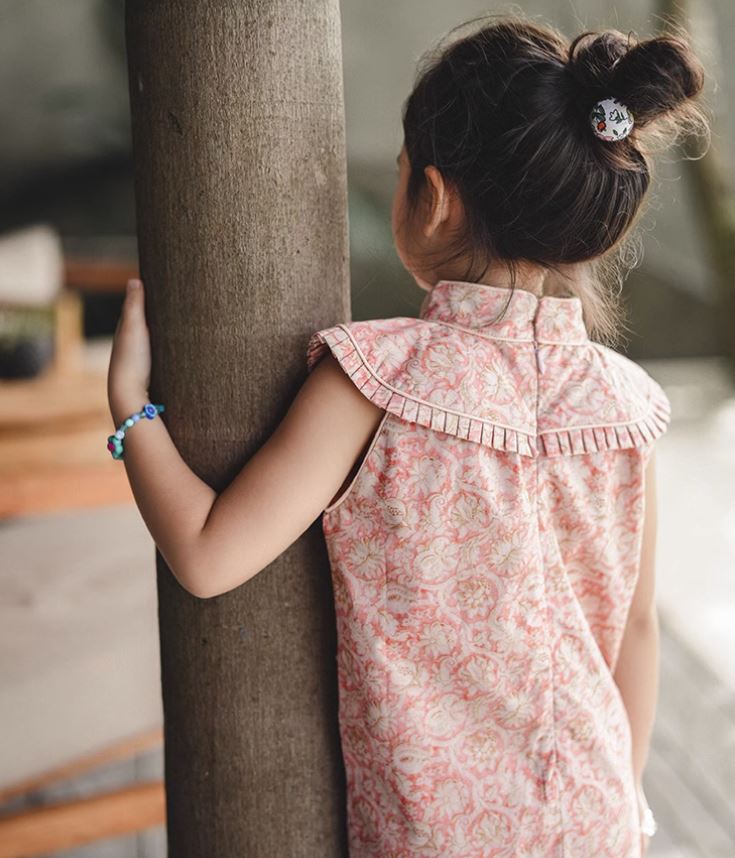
column 657, row 76
column 652, row 77
column 591, row 59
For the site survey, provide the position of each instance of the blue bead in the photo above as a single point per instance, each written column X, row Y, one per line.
column 136, row 418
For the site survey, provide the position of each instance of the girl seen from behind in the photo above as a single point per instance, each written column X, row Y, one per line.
column 485, row 473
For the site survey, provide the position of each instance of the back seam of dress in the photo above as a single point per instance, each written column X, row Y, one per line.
column 555, row 756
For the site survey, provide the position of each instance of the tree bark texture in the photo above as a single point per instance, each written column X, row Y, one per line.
column 241, row 198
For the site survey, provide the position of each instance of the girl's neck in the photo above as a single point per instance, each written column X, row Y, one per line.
column 529, row 278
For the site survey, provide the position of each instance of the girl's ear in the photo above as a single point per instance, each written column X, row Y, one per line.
column 439, row 202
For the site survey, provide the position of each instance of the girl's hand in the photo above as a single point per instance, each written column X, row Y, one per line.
column 129, row 372
column 642, row 805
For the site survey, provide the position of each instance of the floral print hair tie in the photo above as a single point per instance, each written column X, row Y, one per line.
column 611, row 120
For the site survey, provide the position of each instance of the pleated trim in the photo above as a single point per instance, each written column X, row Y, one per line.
column 618, row 436
column 557, row 442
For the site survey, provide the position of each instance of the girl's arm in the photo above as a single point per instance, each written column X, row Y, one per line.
column 213, row 543
column 636, row 671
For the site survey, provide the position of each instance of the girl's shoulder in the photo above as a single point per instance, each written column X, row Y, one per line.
column 486, row 389
column 380, row 341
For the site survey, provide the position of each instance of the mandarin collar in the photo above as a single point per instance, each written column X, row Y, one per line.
column 527, row 317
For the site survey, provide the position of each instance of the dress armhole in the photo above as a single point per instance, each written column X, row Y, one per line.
column 347, row 492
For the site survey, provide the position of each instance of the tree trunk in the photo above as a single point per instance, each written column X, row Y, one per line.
column 240, row 178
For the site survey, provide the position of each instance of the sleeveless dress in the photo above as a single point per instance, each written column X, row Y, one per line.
column 483, row 561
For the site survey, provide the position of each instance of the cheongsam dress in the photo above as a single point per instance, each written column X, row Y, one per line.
column 483, row 561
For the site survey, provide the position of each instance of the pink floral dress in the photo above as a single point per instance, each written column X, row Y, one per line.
column 483, row 562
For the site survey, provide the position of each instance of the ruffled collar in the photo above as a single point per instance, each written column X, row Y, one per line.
column 527, row 318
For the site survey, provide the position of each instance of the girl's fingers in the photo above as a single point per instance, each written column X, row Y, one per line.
column 134, row 301
column 134, row 289
column 133, row 307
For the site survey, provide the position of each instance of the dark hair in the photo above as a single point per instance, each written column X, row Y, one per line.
column 503, row 114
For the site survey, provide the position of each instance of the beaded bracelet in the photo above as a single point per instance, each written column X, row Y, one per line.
column 115, row 442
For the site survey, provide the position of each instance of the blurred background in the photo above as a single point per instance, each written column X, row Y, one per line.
column 80, row 709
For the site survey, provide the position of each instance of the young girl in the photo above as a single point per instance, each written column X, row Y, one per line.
column 485, row 472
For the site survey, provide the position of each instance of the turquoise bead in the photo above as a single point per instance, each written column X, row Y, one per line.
column 129, row 421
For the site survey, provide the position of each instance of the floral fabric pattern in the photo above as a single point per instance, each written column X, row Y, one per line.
column 483, row 561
